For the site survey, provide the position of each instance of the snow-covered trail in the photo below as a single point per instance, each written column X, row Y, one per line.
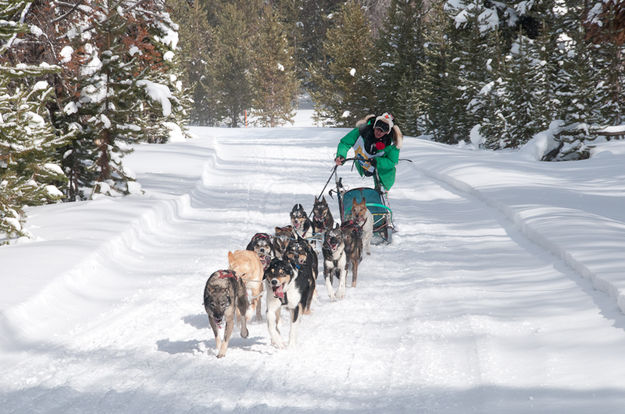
column 463, row 313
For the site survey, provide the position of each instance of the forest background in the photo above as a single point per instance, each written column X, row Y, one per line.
column 81, row 81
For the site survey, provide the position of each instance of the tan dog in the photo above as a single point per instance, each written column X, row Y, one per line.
column 247, row 266
column 363, row 217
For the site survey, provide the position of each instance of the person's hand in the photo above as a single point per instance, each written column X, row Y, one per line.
column 339, row 160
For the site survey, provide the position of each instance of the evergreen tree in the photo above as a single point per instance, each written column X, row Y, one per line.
column 166, row 101
column 29, row 174
column 316, row 17
column 346, row 86
column 400, row 45
column 440, row 92
column 475, row 44
column 579, row 89
column 195, row 39
column 273, row 77
column 409, row 112
column 231, row 61
column 120, row 92
column 606, row 28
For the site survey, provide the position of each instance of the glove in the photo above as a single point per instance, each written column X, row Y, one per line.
column 339, row 160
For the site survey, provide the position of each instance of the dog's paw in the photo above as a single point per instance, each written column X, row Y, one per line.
column 278, row 344
column 220, row 355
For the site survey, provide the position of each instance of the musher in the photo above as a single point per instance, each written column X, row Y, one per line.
column 376, row 141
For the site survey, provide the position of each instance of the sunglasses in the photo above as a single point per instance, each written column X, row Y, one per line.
column 382, row 126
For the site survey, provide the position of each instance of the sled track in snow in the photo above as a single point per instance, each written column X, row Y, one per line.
column 158, row 215
column 536, row 238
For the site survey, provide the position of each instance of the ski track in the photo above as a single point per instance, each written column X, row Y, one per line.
column 154, row 350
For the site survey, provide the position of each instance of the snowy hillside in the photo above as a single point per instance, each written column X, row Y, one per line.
column 503, row 291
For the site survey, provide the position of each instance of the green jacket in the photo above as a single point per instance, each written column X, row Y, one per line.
column 386, row 163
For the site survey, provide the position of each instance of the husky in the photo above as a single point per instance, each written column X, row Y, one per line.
column 302, row 225
column 285, row 287
column 352, row 238
column 262, row 244
column 363, row 217
column 322, row 216
column 334, row 261
column 281, row 240
column 224, row 296
column 301, row 255
column 247, row 265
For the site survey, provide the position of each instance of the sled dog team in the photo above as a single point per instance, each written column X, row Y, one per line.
column 285, row 265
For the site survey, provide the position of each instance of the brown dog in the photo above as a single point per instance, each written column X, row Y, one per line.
column 363, row 217
column 224, row 296
column 281, row 240
column 322, row 216
column 247, row 265
column 352, row 237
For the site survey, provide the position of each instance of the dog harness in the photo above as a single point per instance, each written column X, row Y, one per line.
column 224, row 274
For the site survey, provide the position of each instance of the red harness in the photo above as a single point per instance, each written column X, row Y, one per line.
column 223, row 274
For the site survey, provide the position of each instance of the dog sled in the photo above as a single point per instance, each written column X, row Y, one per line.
column 376, row 202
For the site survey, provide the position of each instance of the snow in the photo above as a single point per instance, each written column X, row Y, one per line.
column 614, row 129
column 70, row 108
column 66, row 54
column 54, row 168
column 159, row 93
column 501, row 293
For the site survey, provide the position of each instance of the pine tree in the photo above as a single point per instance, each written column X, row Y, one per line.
column 578, row 89
column 316, row 17
column 195, row 40
column 440, row 92
column 410, row 113
column 29, row 174
column 273, row 78
column 346, row 90
column 119, row 92
column 606, row 28
column 400, row 44
column 166, row 101
column 230, row 61
column 475, row 44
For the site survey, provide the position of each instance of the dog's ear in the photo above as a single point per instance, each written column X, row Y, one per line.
column 230, row 257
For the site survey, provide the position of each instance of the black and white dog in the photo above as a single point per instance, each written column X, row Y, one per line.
column 285, row 287
column 302, row 225
column 301, row 255
column 334, row 261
